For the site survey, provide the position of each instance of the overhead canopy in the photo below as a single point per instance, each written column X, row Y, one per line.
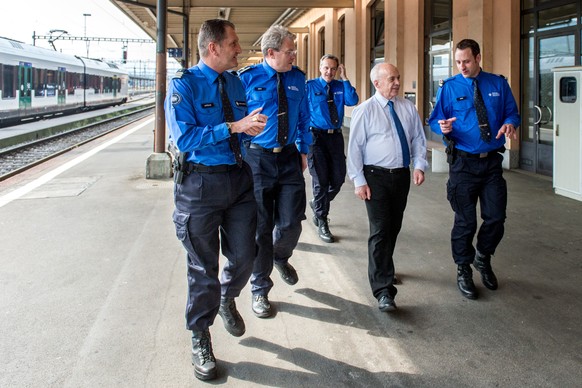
column 251, row 18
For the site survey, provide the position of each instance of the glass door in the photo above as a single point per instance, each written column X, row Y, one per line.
column 25, row 85
column 540, row 56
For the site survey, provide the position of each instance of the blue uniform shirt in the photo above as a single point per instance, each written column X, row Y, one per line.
column 455, row 99
column 195, row 117
column 343, row 94
column 260, row 82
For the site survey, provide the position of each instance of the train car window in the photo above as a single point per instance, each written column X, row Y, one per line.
column 8, row 81
column 51, row 85
column 38, row 80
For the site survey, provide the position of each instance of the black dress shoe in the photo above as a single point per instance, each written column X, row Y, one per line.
column 482, row 263
column 323, row 231
column 288, row 273
column 386, row 304
column 233, row 322
column 465, row 281
column 202, row 355
column 261, row 306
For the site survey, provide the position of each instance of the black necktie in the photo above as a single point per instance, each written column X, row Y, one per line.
column 282, row 117
column 401, row 135
column 332, row 108
column 481, row 113
column 229, row 117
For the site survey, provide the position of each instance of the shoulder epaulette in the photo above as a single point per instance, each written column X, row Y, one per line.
column 180, row 73
column 502, row 76
column 244, row 69
column 442, row 81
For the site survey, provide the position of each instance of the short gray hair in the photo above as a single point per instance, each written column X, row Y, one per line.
column 329, row 56
column 213, row 30
column 273, row 38
column 375, row 72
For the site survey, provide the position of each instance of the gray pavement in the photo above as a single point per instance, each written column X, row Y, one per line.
column 93, row 288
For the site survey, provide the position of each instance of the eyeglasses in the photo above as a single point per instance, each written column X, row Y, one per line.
column 289, row 53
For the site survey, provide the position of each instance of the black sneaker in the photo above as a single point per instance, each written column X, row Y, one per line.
column 233, row 322
column 202, row 355
column 288, row 273
column 261, row 306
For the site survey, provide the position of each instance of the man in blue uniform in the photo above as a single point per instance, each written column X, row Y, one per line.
column 327, row 161
column 206, row 112
column 278, row 157
column 474, row 112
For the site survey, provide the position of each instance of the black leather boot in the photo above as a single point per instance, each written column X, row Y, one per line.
column 323, row 231
column 482, row 263
column 465, row 281
column 202, row 355
column 233, row 322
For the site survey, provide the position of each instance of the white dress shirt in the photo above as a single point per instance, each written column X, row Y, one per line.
column 374, row 140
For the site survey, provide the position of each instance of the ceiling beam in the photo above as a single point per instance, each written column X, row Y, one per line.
column 248, row 3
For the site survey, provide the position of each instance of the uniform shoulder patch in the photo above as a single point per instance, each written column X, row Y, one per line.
column 176, row 99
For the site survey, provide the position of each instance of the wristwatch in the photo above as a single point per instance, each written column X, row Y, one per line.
column 228, row 126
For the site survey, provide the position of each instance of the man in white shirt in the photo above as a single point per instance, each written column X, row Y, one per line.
column 386, row 134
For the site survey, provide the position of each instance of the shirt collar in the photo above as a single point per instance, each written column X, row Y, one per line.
column 323, row 82
column 210, row 74
column 268, row 69
column 383, row 100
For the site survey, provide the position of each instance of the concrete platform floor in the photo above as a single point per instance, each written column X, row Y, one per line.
column 93, row 288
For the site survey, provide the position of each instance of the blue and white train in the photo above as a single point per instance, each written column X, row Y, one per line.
column 37, row 83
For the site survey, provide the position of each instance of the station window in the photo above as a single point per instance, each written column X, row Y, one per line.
column 568, row 90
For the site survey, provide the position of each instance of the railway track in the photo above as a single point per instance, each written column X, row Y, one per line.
column 19, row 158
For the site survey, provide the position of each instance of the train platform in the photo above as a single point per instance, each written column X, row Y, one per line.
column 32, row 130
column 93, row 289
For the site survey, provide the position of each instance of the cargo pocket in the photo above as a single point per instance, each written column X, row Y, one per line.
column 452, row 195
column 181, row 222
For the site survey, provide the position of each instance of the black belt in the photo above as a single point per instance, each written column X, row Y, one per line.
column 190, row 167
column 275, row 150
column 482, row 155
column 388, row 170
column 328, row 131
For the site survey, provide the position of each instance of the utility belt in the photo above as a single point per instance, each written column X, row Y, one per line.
column 328, row 131
column 452, row 152
column 276, row 150
column 182, row 168
column 482, row 155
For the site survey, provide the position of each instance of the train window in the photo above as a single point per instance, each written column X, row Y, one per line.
column 38, row 80
column 51, row 85
column 9, row 81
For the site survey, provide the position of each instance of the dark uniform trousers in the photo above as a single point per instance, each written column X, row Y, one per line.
column 206, row 203
column 327, row 166
column 280, row 196
column 472, row 179
column 385, row 212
